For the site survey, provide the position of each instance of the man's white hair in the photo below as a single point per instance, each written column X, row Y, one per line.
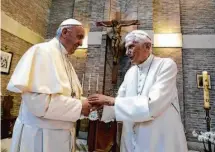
column 67, row 24
column 137, row 36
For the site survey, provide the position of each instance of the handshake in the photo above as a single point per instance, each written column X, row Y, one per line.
column 95, row 102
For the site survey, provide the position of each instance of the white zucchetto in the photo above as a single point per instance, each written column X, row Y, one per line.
column 137, row 35
column 70, row 22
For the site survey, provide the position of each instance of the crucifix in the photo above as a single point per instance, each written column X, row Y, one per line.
column 116, row 25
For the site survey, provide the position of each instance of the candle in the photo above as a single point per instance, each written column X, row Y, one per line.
column 82, row 83
column 97, row 84
column 89, row 83
column 206, row 90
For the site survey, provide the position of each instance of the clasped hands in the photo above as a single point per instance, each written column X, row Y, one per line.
column 95, row 102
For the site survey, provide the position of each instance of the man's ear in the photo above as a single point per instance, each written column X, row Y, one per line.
column 148, row 45
column 64, row 32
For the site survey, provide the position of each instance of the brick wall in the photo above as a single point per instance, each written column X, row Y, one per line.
column 111, row 7
column 82, row 11
column 17, row 47
column 197, row 17
column 30, row 13
column 145, row 14
column 95, row 65
column 129, row 9
column 96, row 53
column 60, row 11
column 97, row 14
column 33, row 15
column 166, row 16
column 194, row 62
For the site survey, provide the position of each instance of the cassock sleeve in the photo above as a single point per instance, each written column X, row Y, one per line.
column 161, row 94
column 55, row 106
column 108, row 111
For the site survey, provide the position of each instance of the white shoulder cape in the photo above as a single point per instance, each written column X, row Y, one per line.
column 42, row 70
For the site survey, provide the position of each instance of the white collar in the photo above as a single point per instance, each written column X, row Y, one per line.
column 146, row 63
column 59, row 45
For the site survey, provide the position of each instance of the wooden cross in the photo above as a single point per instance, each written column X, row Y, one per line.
column 116, row 25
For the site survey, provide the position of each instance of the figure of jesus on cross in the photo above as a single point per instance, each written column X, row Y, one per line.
column 116, row 26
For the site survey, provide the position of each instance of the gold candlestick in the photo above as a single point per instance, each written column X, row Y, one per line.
column 206, row 90
column 207, row 104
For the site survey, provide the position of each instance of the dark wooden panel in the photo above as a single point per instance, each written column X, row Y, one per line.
column 106, row 137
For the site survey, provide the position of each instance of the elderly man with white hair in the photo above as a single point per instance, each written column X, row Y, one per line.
column 147, row 101
column 51, row 94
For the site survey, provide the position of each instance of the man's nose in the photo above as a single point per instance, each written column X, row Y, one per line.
column 128, row 52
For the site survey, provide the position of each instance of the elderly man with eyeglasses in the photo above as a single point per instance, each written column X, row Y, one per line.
column 147, row 101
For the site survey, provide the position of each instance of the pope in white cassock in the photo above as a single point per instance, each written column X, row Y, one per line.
column 46, row 80
column 147, row 101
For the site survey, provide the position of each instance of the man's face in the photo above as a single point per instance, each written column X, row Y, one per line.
column 137, row 52
column 73, row 38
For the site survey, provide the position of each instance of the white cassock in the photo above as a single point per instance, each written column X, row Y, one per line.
column 147, row 104
column 47, row 116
